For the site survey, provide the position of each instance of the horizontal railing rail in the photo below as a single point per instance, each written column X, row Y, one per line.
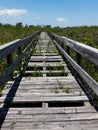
column 81, row 50
column 21, row 45
column 84, row 50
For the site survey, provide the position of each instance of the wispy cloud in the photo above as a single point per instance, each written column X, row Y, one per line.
column 61, row 20
column 35, row 16
column 12, row 12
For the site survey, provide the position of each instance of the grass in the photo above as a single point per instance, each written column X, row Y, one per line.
column 66, row 89
column 23, row 70
column 29, row 78
column 61, row 86
column 33, row 50
column 56, row 89
column 56, row 67
column 63, row 62
column 64, row 73
column 80, row 93
column 51, row 70
column 37, row 73
column 2, row 86
column 49, row 44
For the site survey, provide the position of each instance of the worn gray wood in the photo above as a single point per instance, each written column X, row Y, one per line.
column 46, row 59
column 9, row 47
column 46, row 64
column 41, row 90
column 52, row 118
column 46, row 54
column 43, row 57
column 52, row 110
column 46, row 72
column 28, row 99
column 79, row 125
column 87, row 78
column 87, row 51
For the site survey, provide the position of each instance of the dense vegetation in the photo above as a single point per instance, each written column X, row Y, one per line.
column 11, row 32
column 85, row 34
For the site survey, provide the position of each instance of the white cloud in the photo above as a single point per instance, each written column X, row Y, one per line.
column 61, row 20
column 12, row 12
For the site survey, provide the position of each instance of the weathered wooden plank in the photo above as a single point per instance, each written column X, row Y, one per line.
column 73, row 125
column 47, row 93
column 46, row 72
column 49, row 79
column 41, row 64
column 46, row 54
column 44, row 99
column 48, row 85
column 44, row 57
column 53, row 117
column 43, row 90
column 52, row 110
column 31, row 85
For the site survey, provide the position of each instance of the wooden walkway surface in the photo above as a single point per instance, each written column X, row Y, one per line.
column 47, row 97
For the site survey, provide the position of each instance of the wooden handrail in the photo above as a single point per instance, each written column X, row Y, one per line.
column 84, row 50
column 81, row 49
column 8, row 48
column 6, row 51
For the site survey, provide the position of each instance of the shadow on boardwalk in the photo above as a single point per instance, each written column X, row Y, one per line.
column 8, row 100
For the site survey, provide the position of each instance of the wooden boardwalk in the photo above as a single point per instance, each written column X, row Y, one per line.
column 47, row 96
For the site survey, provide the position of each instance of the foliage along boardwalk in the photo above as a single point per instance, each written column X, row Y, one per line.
column 47, row 96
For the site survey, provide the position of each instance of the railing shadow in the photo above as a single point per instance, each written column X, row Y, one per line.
column 9, row 98
column 90, row 97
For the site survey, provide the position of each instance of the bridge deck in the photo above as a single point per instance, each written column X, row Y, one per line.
column 47, row 96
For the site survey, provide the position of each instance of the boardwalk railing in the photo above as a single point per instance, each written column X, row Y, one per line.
column 25, row 46
column 81, row 50
column 21, row 46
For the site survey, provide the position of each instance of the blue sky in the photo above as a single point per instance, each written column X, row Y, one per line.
column 49, row 12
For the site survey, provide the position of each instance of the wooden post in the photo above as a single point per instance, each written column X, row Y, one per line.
column 68, row 50
column 9, row 62
column 51, row 37
column 19, row 52
column 78, row 58
column 62, row 44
